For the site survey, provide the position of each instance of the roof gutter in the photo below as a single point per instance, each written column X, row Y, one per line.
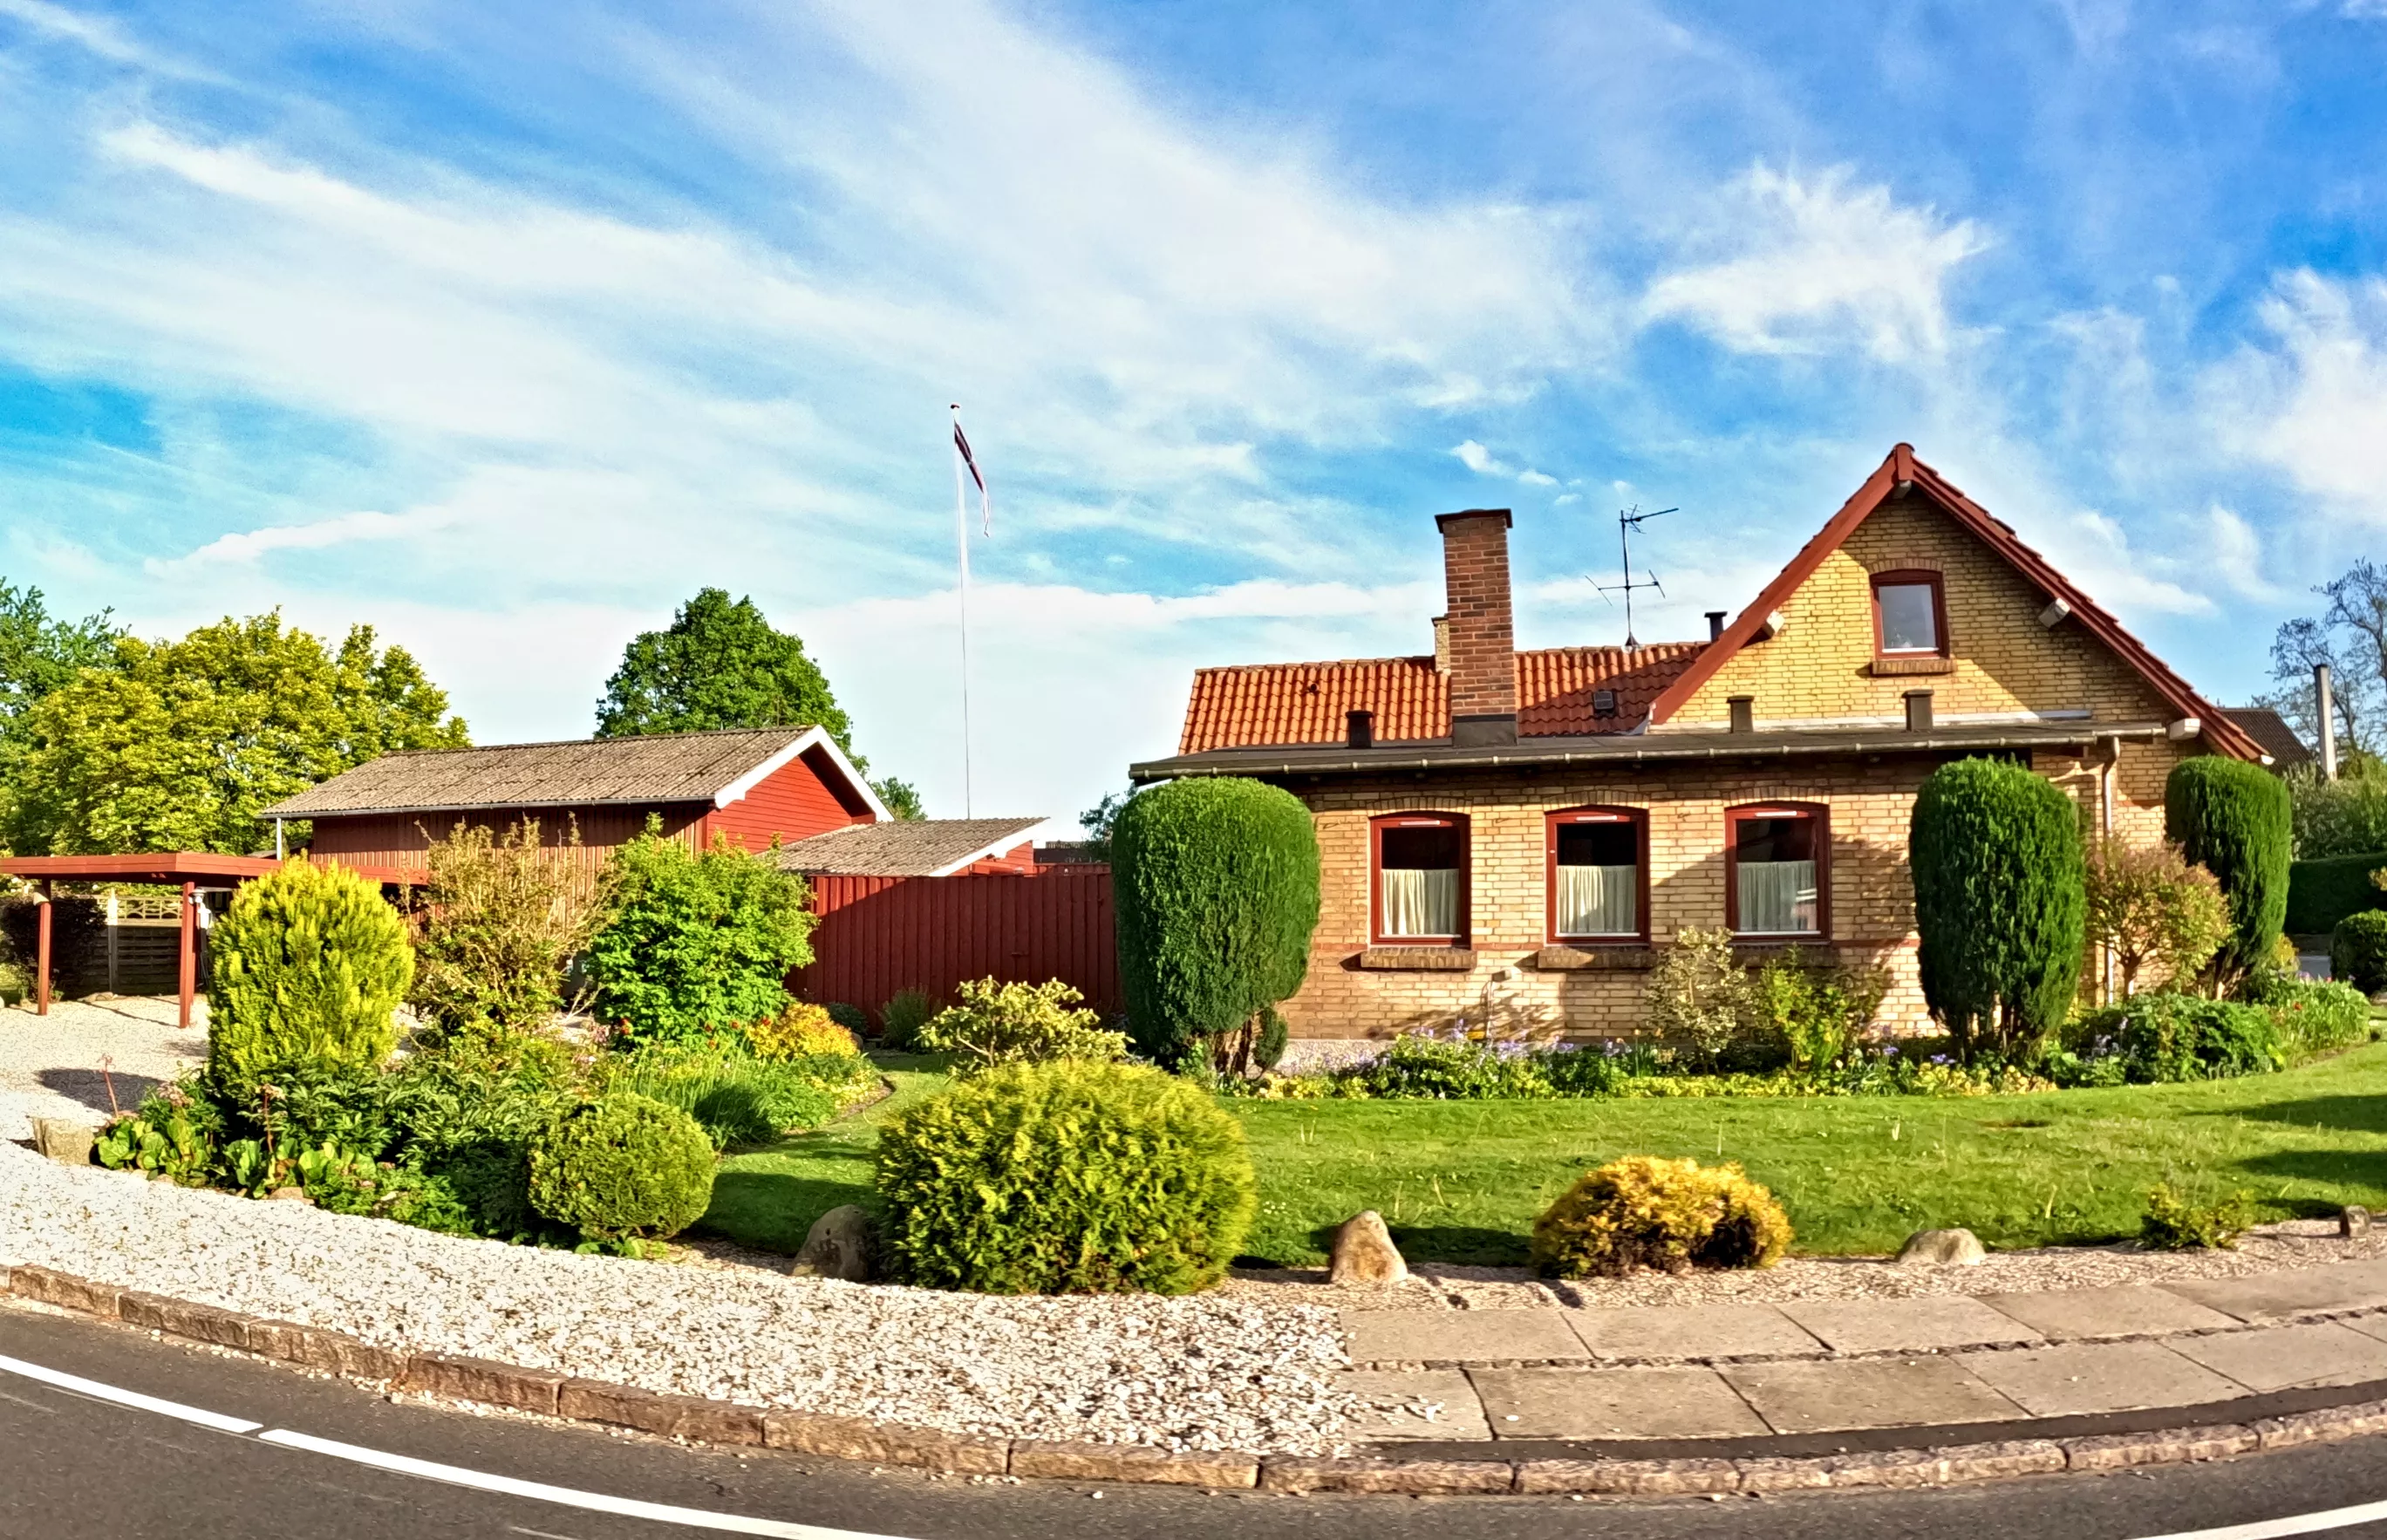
column 1646, row 748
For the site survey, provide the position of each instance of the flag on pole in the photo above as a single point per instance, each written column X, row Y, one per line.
column 969, row 462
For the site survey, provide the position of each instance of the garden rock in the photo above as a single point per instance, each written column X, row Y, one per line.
column 291, row 1195
column 63, row 1139
column 1943, row 1248
column 2353, row 1220
column 839, row 1245
column 1364, row 1252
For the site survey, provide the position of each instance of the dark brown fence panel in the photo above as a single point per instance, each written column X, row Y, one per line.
column 882, row 934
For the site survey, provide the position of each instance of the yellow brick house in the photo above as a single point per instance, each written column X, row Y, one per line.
column 1511, row 835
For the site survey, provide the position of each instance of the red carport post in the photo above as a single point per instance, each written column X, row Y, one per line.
column 42, row 954
column 190, row 958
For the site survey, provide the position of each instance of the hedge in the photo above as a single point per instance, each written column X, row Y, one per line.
column 2234, row 819
column 2322, row 893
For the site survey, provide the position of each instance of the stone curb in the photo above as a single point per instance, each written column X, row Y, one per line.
column 860, row 1439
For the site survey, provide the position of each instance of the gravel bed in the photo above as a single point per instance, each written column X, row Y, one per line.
column 1438, row 1286
column 1205, row 1372
column 49, row 1065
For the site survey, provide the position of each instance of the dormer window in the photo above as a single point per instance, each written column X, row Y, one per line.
column 1910, row 615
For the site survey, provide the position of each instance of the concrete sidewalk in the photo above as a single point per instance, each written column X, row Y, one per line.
column 1755, row 1371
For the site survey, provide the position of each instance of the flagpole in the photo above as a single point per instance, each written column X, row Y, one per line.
column 961, row 542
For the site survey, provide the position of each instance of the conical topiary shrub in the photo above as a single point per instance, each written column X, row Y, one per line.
column 305, row 971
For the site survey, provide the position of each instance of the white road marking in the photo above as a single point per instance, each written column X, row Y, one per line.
column 133, row 1398
column 662, row 1513
column 2300, row 1523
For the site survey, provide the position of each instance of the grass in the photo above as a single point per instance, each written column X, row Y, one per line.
column 1463, row 1181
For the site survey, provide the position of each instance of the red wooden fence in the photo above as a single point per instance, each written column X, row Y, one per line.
column 882, row 934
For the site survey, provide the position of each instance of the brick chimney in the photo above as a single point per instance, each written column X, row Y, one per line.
column 1482, row 637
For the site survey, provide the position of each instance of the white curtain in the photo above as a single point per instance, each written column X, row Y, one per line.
column 1421, row 902
column 1778, row 897
column 1598, row 901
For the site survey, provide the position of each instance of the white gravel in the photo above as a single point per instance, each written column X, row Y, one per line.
column 49, row 1065
column 1201, row 1372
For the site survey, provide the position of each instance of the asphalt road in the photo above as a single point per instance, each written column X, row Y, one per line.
column 74, row 1467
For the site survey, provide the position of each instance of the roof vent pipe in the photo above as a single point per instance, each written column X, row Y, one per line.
column 2324, row 708
column 1361, row 729
column 1715, row 624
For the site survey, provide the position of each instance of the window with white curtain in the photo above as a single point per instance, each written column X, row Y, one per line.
column 1776, row 858
column 1595, row 876
column 1418, row 867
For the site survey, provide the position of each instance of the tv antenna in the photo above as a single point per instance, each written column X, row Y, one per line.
column 1628, row 520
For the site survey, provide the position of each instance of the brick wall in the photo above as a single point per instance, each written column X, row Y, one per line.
column 2004, row 660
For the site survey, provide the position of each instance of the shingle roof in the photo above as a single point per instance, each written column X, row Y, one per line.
column 1283, row 704
column 665, row 767
column 2270, row 730
column 927, row 847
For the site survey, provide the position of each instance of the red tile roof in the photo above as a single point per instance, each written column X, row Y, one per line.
column 1279, row 704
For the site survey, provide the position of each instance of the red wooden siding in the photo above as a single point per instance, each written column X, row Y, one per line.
column 401, row 839
column 805, row 797
column 882, row 934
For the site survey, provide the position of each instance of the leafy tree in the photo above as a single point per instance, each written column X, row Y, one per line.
column 40, row 653
column 180, row 744
column 2234, row 819
column 1995, row 853
column 2146, row 905
column 692, row 942
column 2350, row 635
column 1100, row 819
column 720, row 664
column 1215, row 894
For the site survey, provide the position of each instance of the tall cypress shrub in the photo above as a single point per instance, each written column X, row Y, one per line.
column 1998, row 902
column 304, row 971
column 1215, row 885
column 2236, row 820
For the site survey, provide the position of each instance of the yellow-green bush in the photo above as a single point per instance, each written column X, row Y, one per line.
column 800, row 1032
column 306, row 969
column 623, row 1167
column 1669, row 1215
column 1067, row 1178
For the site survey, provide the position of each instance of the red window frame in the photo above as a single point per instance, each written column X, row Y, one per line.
column 1376, row 828
column 1912, row 577
column 1551, row 823
column 1733, row 818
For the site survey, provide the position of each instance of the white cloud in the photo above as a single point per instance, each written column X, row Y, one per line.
column 94, row 34
column 247, row 545
column 1483, row 462
column 1536, row 478
column 1820, row 265
column 2312, row 404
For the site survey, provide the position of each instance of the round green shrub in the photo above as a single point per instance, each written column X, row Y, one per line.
column 1999, row 903
column 2358, row 951
column 622, row 1166
column 1067, row 1178
column 853, row 1018
column 306, row 969
column 2236, row 821
column 1671, row 1215
column 1216, row 892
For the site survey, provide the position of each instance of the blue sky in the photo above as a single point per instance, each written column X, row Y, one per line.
column 505, row 328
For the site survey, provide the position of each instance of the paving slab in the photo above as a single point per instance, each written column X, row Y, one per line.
column 1433, row 1404
column 1461, row 1336
column 1837, row 1394
column 1612, row 1403
column 1918, row 1325
column 2277, row 1357
column 1706, row 1332
column 2276, row 1296
column 2074, row 1377
column 2127, row 1311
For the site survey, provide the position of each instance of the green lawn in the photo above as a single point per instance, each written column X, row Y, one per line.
column 1462, row 1181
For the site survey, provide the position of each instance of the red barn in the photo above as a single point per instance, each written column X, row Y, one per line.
column 752, row 785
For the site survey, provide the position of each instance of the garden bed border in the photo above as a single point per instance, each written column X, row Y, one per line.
column 1427, row 1472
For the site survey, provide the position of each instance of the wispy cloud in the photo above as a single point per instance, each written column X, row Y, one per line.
column 2311, row 399
column 1819, row 265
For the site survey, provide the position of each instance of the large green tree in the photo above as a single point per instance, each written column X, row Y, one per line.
column 720, row 664
column 179, row 744
column 39, row 653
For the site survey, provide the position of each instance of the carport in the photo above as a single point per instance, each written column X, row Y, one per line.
column 193, row 871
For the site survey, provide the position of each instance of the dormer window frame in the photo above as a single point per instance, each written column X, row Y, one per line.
column 1910, row 578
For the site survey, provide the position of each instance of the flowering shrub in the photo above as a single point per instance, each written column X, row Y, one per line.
column 1669, row 1215
column 998, row 1024
column 800, row 1032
